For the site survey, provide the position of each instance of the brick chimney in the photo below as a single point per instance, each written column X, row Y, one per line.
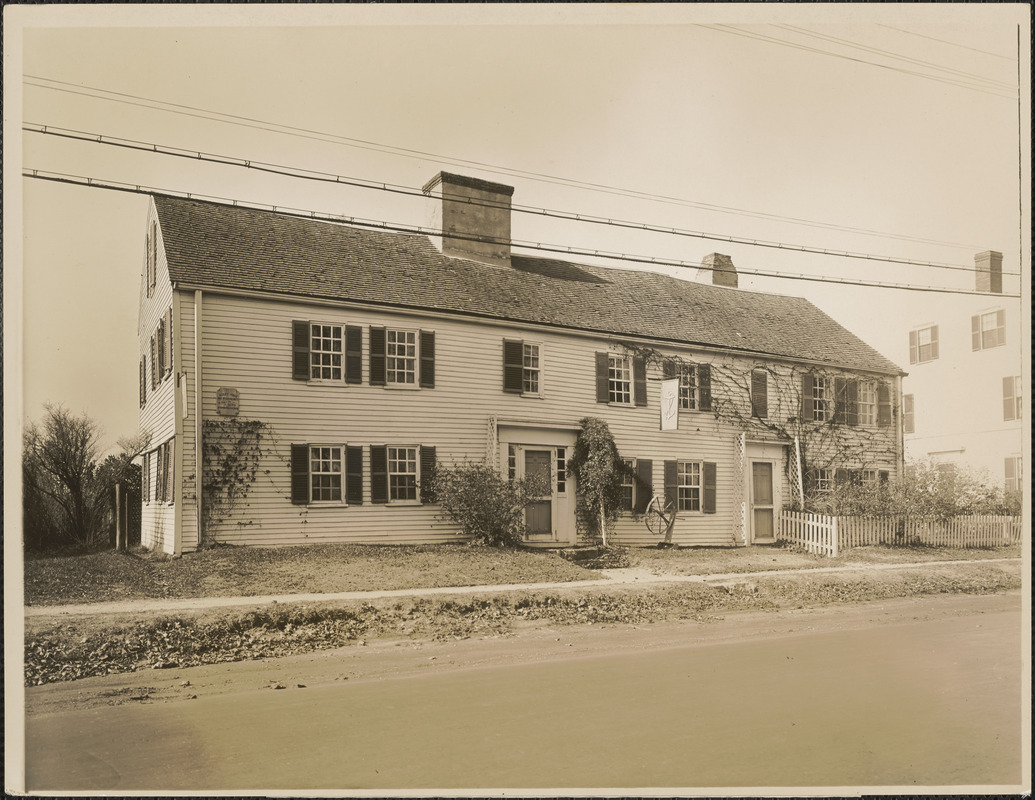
column 718, row 269
column 472, row 208
column 989, row 275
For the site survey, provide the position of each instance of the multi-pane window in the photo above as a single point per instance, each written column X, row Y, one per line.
column 869, row 477
column 923, row 344
column 867, row 403
column 908, row 425
column 822, row 400
column 1012, row 398
column 988, row 330
column 627, row 485
column 402, row 473
column 688, row 485
column 511, row 462
column 401, row 357
column 824, row 480
column 562, row 471
column 325, row 352
column 619, row 379
column 1013, row 474
column 325, row 474
column 530, row 369
column 688, row 386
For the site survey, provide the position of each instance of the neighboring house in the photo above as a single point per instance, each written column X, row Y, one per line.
column 300, row 379
column 964, row 397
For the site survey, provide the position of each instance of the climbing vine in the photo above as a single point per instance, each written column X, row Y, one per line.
column 598, row 470
column 232, row 451
column 827, row 444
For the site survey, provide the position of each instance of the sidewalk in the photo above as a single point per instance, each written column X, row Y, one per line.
column 610, row 577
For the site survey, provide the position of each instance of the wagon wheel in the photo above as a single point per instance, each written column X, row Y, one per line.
column 659, row 516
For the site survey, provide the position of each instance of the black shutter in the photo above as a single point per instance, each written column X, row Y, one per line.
column 668, row 369
column 602, row 378
column 427, row 359
column 914, row 354
column 840, row 477
column 353, row 354
column 300, row 474
column 300, row 350
column 354, row 476
column 759, row 394
column 377, row 356
column 643, row 485
column 840, row 400
column 513, row 365
column 143, row 377
column 169, row 339
column 671, row 490
column 934, row 341
column 170, row 494
column 427, row 474
column 704, row 386
column 379, row 472
column 807, row 384
column 639, row 381
column 708, row 501
column 852, row 411
column 883, row 405
column 154, row 365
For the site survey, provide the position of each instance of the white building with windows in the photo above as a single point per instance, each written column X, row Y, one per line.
column 963, row 399
column 300, row 379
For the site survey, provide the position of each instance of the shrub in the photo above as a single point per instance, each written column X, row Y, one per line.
column 598, row 470
column 483, row 504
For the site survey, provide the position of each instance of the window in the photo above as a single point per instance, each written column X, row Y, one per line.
column 619, row 379
column 325, row 352
column 867, row 403
column 325, row 471
column 821, row 399
column 1012, row 398
column 869, row 477
column 988, row 330
column 695, row 383
column 688, row 386
column 923, row 345
column 511, row 462
column 401, row 357
column 1013, row 474
column 402, row 473
column 627, row 486
column 824, row 481
column 907, row 414
column 522, row 364
column 688, row 486
column 562, row 471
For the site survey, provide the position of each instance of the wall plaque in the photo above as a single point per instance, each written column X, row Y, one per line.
column 228, row 401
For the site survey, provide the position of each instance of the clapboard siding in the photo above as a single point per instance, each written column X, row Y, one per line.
column 157, row 416
column 185, row 446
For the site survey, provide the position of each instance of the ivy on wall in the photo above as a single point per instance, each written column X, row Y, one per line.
column 232, row 451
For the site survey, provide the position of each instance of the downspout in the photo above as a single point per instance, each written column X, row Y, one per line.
column 900, row 430
column 179, row 406
column 198, row 494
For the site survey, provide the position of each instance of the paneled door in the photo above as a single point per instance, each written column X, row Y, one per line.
column 539, row 513
column 762, row 506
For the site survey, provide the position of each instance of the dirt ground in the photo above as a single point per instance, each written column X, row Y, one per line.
column 530, row 641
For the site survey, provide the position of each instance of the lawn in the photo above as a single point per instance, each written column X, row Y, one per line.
column 250, row 571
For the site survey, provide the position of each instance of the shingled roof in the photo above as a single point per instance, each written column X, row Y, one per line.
column 211, row 245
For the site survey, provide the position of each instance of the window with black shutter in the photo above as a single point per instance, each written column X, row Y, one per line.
column 300, row 350
column 378, row 474
column 639, row 381
column 300, row 474
column 377, row 357
column 427, row 474
column 708, row 504
column 427, row 359
column 353, row 354
column 354, row 475
column 643, row 487
column 513, row 365
column 704, row 386
column 883, row 405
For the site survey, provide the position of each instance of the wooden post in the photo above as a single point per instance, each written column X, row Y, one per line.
column 118, row 516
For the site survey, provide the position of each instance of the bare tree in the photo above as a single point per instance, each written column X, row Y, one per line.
column 60, row 464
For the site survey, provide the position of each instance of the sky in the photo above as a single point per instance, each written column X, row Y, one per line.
column 718, row 119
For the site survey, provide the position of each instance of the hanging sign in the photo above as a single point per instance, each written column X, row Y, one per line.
column 670, row 404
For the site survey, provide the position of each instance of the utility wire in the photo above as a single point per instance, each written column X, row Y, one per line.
column 945, row 41
column 785, row 43
column 326, row 177
column 131, row 188
column 889, row 54
column 306, row 133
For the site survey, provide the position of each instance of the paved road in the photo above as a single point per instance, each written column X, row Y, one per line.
column 926, row 702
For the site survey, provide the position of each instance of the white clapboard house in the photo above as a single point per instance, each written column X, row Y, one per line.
column 300, row 377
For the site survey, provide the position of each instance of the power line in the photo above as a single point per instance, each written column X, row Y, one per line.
column 326, row 177
column 131, row 188
column 785, row 43
column 879, row 51
column 306, row 133
column 945, row 41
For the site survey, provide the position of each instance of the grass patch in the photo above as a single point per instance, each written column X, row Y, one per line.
column 318, row 569
column 85, row 646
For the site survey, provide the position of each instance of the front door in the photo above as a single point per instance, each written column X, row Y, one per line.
column 762, row 507
column 539, row 513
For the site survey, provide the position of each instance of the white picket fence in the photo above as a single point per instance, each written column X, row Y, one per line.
column 829, row 535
